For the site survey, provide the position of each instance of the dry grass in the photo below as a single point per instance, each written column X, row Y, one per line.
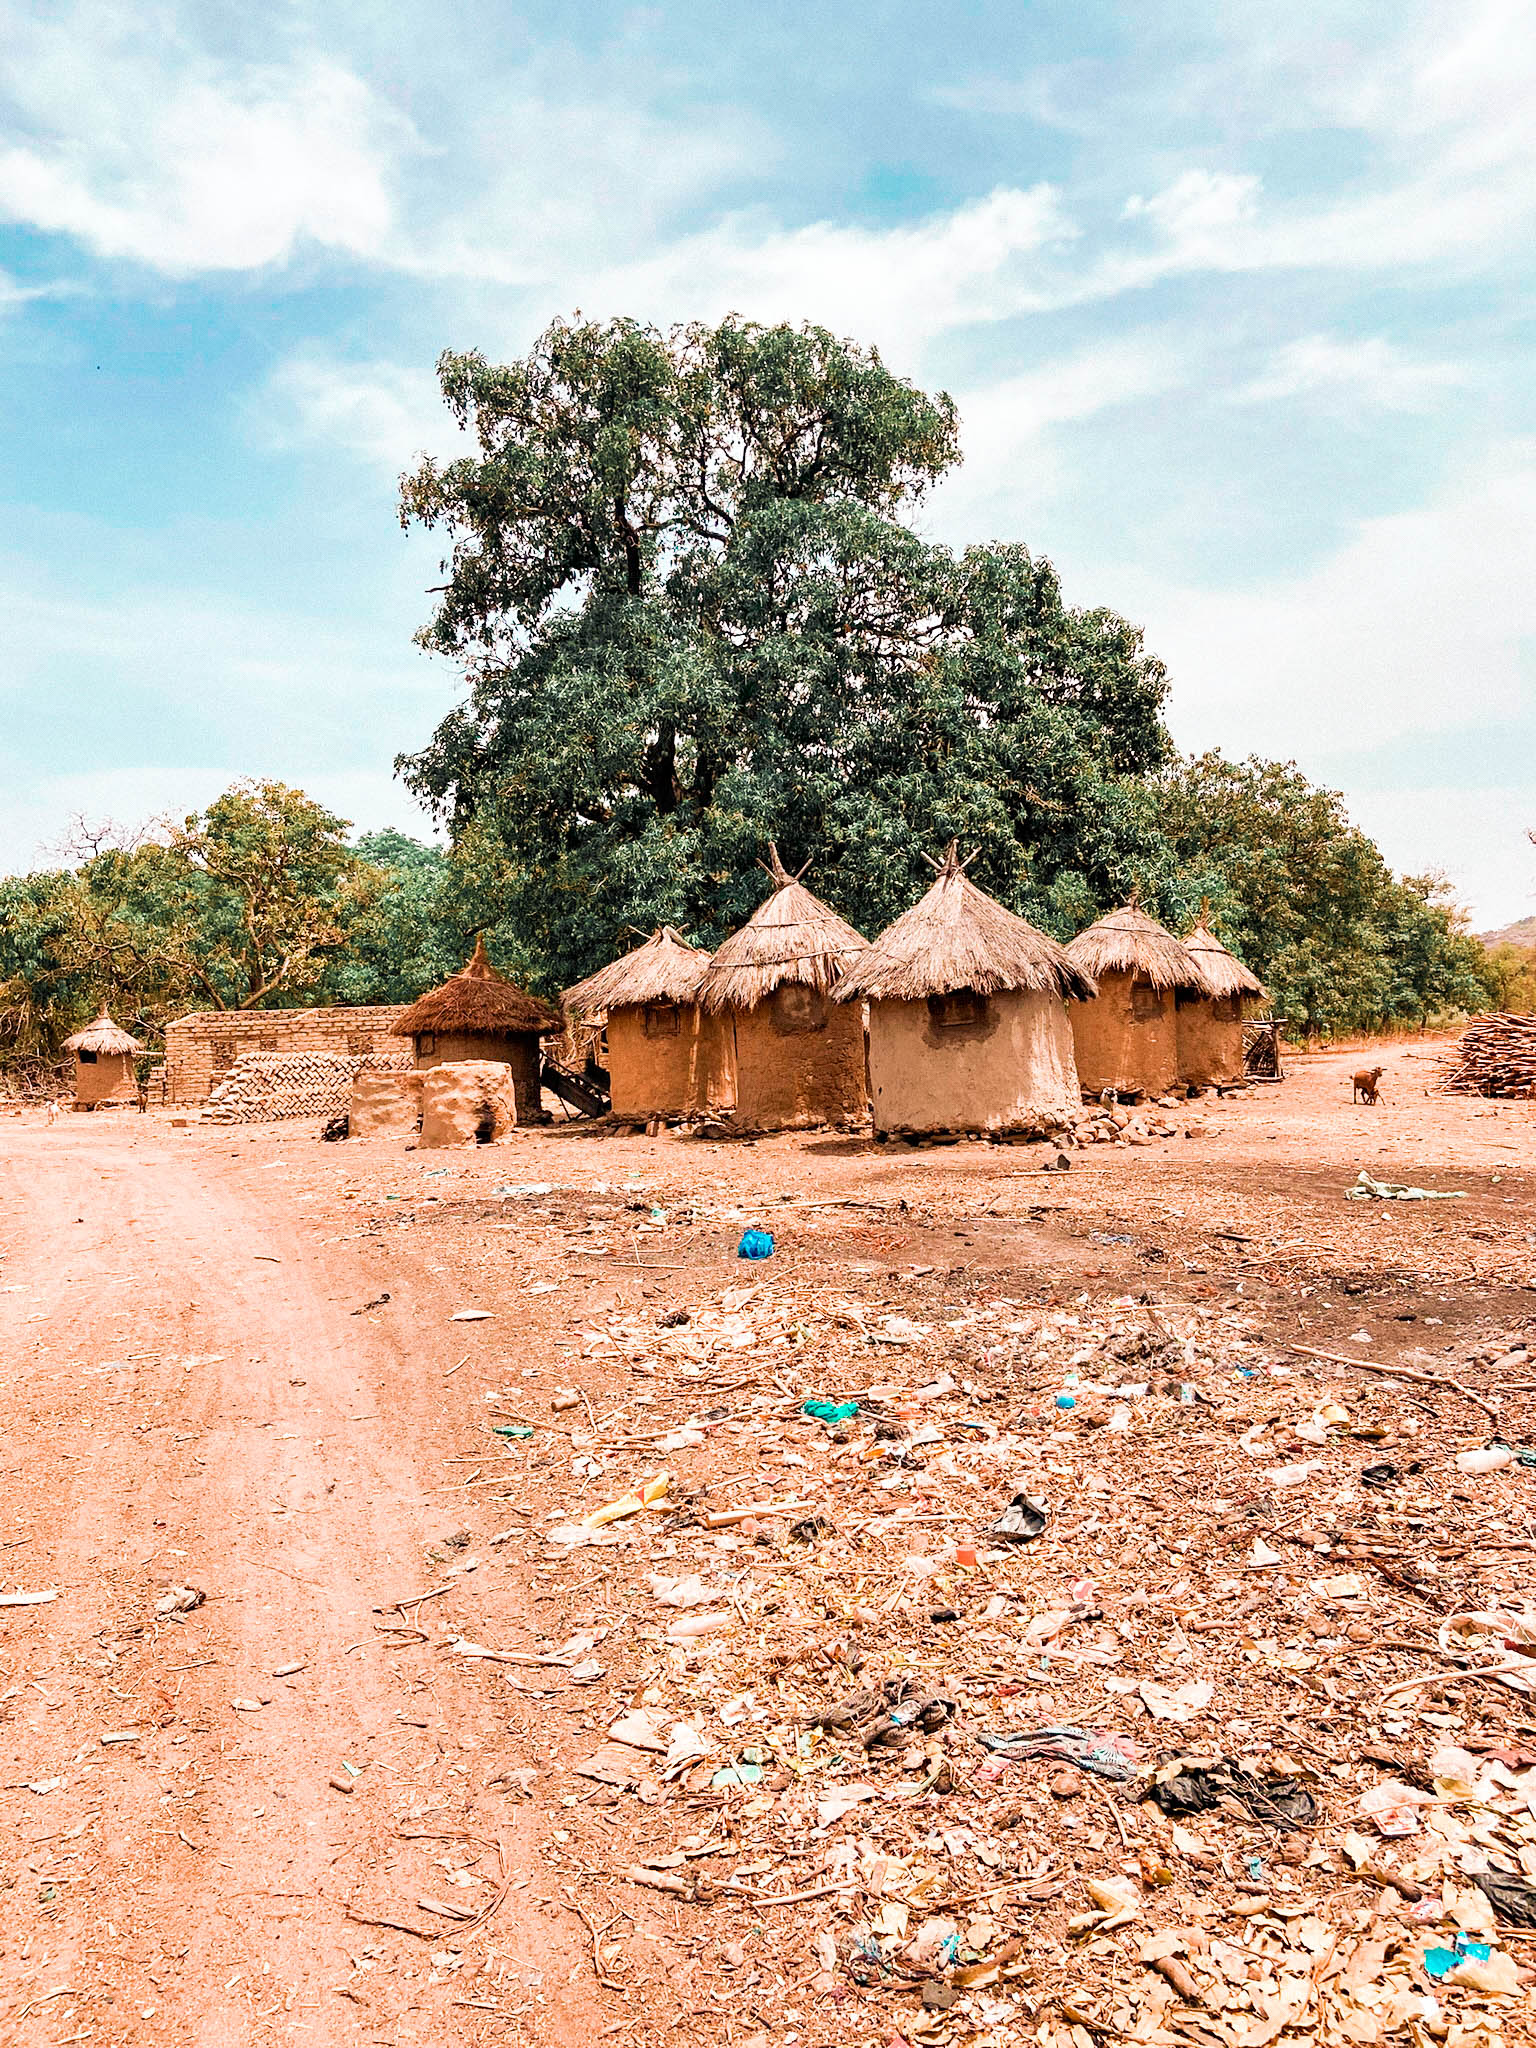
column 103, row 1036
column 666, row 969
column 1222, row 973
column 1127, row 941
column 958, row 937
column 793, row 937
column 478, row 1000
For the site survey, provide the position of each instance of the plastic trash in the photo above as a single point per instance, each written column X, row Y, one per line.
column 1066, row 1400
column 1366, row 1189
column 1195, row 1785
column 755, row 1244
column 831, row 1411
column 653, row 1491
column 1103, row 1751
column 516, row 1430
column 1380, row 1475
column 1490, row 1458
column 1512, row 1897
column 1021, row 1521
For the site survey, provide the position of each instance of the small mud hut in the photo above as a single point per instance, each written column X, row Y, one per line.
column 798, row 1056
column 1127, row 1038
column 968, row 1021
column 666, row 1055
column 1210, row 1023
column 104, row 1056
column 478, row 1014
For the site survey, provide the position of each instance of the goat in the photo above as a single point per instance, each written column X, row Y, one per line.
column 1367, row 1084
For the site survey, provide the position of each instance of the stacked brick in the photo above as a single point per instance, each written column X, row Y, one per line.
column 265, row 1087
column 201, row 1049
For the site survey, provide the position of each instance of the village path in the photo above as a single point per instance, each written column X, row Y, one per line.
column 194, row 1400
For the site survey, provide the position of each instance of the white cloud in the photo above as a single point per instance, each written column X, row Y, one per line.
column 1364, row 372
column 899, row 286
column 147, row 149
column 1422, row 623
column 384, row 413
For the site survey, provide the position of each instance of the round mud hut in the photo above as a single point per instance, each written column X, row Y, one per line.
column 1127, row 1038
column 104, row 1055
column 798, row 1056
column 968, row 1026
column 1210, row 1024
column 478, row 1014
column 666, row 1056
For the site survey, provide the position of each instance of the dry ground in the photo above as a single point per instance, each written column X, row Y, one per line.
column 228, row 1361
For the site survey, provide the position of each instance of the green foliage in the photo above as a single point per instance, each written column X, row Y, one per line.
column 1305, row 898
column 1510, row 972
column 692, row 620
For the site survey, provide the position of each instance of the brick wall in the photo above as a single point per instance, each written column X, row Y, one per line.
column 264, row 1087
column 201, row 1048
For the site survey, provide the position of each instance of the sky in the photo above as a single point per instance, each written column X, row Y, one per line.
column 1235, row 299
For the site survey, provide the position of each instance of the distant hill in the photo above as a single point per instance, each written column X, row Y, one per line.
column 1521, row 934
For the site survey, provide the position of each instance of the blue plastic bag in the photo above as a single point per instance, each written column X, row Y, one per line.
column 755, row 1244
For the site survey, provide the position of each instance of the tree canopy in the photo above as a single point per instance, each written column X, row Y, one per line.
column 693, row 617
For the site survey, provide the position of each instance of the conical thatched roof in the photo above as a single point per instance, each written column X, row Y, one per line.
column 1221, row 972
column 1127, row 941
column 959, row 937
column 666, row 969
column 102, row 1036
column 791, row 937
column 477, row 1000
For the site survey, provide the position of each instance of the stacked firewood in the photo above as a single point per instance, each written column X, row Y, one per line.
column 1495, row 1056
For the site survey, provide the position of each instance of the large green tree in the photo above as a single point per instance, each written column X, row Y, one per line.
column 694, row 614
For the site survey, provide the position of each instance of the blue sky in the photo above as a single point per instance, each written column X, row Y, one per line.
column 1235, row 300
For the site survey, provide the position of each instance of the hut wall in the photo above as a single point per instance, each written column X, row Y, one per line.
column 799, row 1061
column 986, row 1064
column 655, row 1072
column 518, row 1050
column 1210, row 1039
column 1126, row 1037
column 107, row 1078
column 201, row 1048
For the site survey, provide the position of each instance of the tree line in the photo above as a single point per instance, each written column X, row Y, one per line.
column 685, row 582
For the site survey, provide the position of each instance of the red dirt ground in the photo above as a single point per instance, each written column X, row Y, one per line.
column 194, row 1393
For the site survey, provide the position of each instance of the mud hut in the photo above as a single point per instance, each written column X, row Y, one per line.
column 1127, row 1038
column 104, row 1055
column 968, row 1021
column 478, row 1014
column 666, row 1055
column 1210, row 1023
column 798, row 1056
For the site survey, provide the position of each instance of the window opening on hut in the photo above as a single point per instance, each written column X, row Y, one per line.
column 662, row 1020
column 427, row 1042
column 1146, row 1001
column 266, row 1041
column 797, row 1007
column 86, row 1059
column 223, row 1057
column 961, row 1010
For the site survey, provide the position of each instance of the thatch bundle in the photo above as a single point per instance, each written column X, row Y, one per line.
column 477, row 1002
column 1495, row 1056
column 666, row 969
column 792, row 937
column 1127, row 941
column 1221, row 973
column 103, row 1038
column 958, row 937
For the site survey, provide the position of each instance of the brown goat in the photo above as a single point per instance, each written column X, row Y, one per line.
column 1366, row 1084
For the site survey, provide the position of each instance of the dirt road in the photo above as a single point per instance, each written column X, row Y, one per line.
column 196, row 1404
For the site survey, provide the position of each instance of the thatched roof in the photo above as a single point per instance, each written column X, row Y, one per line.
column 477, row 1001
column 959, row 937
column 1127, row 941
column 792, row 937
column 102, row 1036
column 1221, row 972
column 666, row 969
